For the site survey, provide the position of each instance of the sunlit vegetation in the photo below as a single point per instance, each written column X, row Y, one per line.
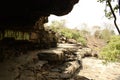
column 111, row 52
column 104, row 34
column 15, row 34
column 68, row 33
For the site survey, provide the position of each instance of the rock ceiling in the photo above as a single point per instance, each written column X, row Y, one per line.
column 24, row 13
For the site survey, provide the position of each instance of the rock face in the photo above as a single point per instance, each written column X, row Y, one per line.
column 60, row 63
column 24, row 13
column 16, row 48
column 29, row 16
column 85, row 52
column 39, row 38
column 52, row 55
column 64, row 64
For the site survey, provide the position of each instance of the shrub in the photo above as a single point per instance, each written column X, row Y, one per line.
column 66, row 32
column 82, row 40
column 97, row 34
column 70, row 34
column 111, row 52
column 106, row 34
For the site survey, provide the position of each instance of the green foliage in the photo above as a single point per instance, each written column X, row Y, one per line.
column 17, row 35
column 104, row 34
column 74, row 34
column 85, row 32
column 107, row 11
column 82, row 40
column 97, row 34
column 68, row 33
column 111, row 52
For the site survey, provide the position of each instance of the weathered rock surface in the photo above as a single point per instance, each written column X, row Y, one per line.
column 16, row 14
column 51, row 55
column 86, row 52
column 95, row 69
column 39, row 38
column 71, row 41
column 53, row 64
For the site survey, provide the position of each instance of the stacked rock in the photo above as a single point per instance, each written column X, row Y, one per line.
column 52, row 64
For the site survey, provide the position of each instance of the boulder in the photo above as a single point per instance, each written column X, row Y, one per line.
column 71, row 41
column 84, row 52
column 70, row 70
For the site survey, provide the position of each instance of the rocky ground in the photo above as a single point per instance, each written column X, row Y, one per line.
column 95, row 69
column 61, row 63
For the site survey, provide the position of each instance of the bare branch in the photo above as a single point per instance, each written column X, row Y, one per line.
column 109, row 4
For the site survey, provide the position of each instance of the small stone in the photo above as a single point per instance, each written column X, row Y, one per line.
column 72, row 41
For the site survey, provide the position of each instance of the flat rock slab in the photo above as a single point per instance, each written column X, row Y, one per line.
column 76, row 46
column 51, row 55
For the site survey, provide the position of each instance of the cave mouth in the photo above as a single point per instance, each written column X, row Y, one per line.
column 16, row 21
column 22, row 27
column 16, row 42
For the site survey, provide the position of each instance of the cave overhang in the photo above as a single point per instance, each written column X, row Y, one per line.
column 22, row 14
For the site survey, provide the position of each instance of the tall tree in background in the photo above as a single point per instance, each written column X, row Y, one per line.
column 109, row 13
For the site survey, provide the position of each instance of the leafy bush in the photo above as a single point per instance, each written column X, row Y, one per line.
column 15, row 34
column 106, row 34
column 111, row 52
column 66, row 32
column 97, row 34
column 70, row 34
column 82, row 40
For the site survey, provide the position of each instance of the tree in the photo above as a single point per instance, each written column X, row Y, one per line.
column 109, row 13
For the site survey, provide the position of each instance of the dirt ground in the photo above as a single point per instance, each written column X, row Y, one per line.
column 95, row 69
